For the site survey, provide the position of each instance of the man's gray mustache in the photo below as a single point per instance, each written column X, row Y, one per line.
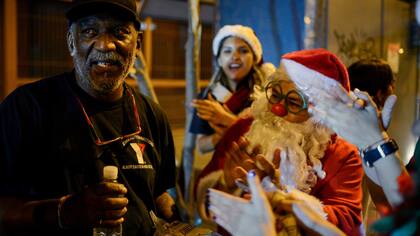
column 107, row 56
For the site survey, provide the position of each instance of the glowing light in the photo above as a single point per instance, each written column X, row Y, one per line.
column 401, row 51
column 307, row 20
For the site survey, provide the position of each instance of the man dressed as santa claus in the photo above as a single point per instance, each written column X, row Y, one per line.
column 284, row 142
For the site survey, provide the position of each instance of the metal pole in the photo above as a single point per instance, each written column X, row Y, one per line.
column 148, row 44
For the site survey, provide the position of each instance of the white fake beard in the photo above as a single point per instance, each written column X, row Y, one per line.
column 302, row 145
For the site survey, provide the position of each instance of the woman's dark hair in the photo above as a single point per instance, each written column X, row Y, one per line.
column 370, row 75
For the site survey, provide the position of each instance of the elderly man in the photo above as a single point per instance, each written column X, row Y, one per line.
column 57, row 134
column 323, row 168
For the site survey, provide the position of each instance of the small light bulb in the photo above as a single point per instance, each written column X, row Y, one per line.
column 401, row 51
column 307, row 20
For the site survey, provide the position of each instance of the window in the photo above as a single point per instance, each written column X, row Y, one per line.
column 169, row 41
column 42, row 48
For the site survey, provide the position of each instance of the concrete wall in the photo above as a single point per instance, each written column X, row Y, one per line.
column 372, row 25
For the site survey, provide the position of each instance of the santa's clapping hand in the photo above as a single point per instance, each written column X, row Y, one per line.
column 239, row 162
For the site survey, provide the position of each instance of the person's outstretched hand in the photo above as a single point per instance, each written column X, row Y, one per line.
column 99, row 205
column 243, row 217
column 331, row 104
column 358, row 124
column 355, row 117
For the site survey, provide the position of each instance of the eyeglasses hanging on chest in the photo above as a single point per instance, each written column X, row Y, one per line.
column 97, row 139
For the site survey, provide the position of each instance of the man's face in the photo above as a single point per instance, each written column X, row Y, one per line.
column 103, row 48
column 285, row 100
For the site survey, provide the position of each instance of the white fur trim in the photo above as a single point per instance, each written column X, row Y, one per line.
column 306, row 78
column 205, row 183
column 268, row 69
column 264, row 72
column 243, row 32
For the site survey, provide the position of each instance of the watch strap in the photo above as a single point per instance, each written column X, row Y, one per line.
column 370, row 156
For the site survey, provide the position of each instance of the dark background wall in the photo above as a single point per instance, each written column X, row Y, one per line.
column 278, row 24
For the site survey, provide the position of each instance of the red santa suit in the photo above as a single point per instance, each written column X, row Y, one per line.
column 340, row 191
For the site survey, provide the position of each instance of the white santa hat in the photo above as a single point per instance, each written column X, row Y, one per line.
column 243, row 32
column 314, row 66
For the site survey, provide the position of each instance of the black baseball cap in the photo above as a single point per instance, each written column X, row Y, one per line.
column 121, row 8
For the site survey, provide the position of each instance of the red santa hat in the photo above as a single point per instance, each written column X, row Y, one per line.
column 243, row 32
column 319, row 65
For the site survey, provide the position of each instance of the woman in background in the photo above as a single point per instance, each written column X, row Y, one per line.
column 240, row 72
